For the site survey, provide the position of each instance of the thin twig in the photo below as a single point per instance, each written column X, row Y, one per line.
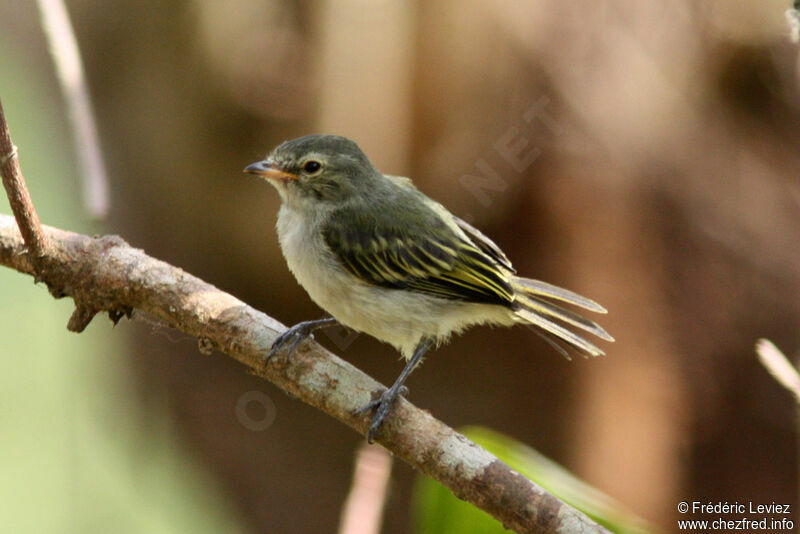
column 779, row 367
column 793, row 19
column 786, row 374
column 69, row 68
column 362, row 511
column 18, row 195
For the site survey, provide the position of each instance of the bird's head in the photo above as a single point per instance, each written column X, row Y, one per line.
column 316, row 170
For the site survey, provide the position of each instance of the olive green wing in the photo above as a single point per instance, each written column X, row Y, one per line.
column 415, row 251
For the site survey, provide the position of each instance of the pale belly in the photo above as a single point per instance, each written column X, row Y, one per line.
column 394, row 316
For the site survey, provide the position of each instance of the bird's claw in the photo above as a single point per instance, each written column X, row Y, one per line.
column 296, row 334
column 382, row 405
column 290, row 339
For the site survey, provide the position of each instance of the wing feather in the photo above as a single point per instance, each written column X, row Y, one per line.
column 423, row 254
column 486, row 245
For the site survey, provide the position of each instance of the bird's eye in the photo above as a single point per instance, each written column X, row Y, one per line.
column 312, row 166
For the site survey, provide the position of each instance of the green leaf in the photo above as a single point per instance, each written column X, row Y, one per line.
column 436, row 509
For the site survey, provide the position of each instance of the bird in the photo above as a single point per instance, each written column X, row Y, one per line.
column 383, row 258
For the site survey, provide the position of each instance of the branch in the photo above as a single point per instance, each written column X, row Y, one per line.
column 71, row 78
column 779, row 366
column 18, row 196
column 363, row 509
column 106, row 274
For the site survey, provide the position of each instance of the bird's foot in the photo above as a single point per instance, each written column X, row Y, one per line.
column 294, row 335
column 382, row 405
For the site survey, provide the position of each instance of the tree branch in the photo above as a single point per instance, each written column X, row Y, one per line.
column 18, row 196
column 106, row 274
column 71, row 78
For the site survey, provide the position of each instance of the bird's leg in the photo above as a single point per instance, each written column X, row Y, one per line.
column 297, row 333
column 384, row 403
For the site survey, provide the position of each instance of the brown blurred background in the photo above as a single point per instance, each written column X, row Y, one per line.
column 644, row 154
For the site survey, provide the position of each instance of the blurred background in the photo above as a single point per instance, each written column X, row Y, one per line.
column 644, row 154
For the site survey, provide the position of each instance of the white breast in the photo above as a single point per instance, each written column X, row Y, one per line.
column 397, row 317
column 316, row 268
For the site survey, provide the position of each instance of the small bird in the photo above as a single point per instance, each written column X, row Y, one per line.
column 382, row 258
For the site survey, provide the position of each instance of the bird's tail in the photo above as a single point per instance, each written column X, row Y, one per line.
column 551, row 320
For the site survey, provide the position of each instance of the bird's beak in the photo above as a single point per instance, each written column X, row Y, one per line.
column 267, row 169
